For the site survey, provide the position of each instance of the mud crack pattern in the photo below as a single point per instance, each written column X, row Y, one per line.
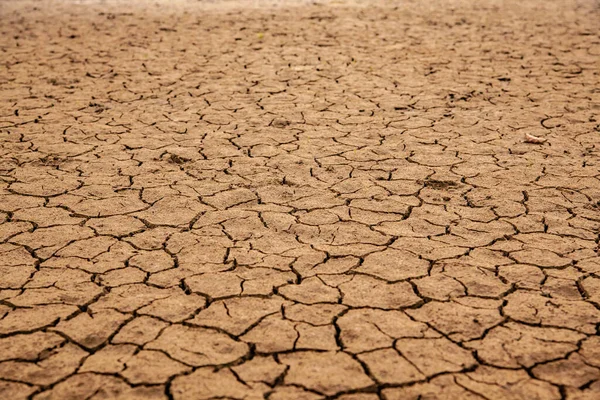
column 324, row 201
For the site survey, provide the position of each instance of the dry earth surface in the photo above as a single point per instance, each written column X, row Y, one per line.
column 245, row 200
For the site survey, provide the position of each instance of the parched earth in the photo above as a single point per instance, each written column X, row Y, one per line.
column 236, row 200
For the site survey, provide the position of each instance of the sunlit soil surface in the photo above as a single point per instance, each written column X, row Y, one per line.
column 288, row 200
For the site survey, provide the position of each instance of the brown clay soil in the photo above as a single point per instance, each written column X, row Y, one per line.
column 241, row 200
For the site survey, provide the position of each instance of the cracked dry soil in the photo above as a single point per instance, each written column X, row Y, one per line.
column 332, row 201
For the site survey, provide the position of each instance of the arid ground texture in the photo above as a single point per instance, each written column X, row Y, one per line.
column 300, row 201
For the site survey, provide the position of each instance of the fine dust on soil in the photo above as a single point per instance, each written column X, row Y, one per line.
column 285, row 200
